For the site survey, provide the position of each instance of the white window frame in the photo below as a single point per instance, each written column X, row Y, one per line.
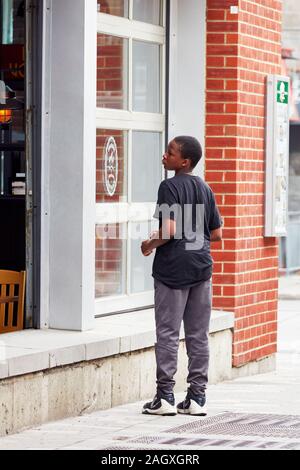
column 130, row 121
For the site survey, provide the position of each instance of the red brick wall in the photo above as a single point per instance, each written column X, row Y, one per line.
column 241, row 50
column 111, row 86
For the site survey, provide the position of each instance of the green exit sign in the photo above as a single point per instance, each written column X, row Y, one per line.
column 282, row 92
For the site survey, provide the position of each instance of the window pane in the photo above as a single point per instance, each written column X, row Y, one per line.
column 110, row 260
column 111, row 164
column 113, row 7
column 147, row 166
column 147, row 11
column 146, row 77
column 112, row 72
column 141, row 266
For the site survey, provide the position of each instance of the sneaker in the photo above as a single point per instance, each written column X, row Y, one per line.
column 163, row 405
column 193, row 405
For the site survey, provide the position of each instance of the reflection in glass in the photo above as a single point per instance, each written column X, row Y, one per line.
column 112, row 71
column 147, row 166
column 148, row 11
column 113, row 7
column 111, row 164
column 294, row 176
column 146, row 77
column 12, row 96
column 141, row 266
column 110, row 260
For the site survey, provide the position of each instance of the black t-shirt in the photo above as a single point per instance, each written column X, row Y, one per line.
column 185, row 260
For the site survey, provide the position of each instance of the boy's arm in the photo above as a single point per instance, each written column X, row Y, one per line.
column 166, row 196
column 216, row 235
column 160, row 238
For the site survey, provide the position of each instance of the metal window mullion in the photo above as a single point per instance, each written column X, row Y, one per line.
column 129, row 190
column 162, row 56
column 130, row 10
column 163, row 65
column 125, row 28
column 126, row 47
column 163, row 149
column 123, row 303
column 130, row 121
column 128, row 263
column 130, row 74
column 126, row 255
column 108, row 214
column 127, row 125
column 129, row 154
column 164, row 12
column 121, row 213
column 125, row 115
column 129, row 165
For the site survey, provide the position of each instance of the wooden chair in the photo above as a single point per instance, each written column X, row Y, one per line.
column 12, row 303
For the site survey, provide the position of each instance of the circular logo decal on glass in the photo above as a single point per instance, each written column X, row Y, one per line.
column 111, row 166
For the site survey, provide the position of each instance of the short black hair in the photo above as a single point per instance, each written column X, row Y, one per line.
column 190, row 148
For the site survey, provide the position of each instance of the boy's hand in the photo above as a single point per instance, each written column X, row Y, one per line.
column 154, row 235
column 146, row 249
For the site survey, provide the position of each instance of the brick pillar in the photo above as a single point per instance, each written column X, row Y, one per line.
column 242, row 49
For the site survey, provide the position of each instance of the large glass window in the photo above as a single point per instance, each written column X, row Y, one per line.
column 111, row 169
column 112, row 72
column 141, row 267
column 130, row 141
column 146, row 77
column 290, row 245
column 114, row 7
column 148, row 11
column 110, row 260
column 146, row 165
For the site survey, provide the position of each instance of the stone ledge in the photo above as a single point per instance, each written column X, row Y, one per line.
column 31, row 351
column 80, row 388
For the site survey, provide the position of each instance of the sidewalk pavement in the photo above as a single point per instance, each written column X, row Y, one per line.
column 258, row 412
column 289, row 287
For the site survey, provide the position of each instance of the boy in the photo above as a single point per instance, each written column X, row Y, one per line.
column 182, row 272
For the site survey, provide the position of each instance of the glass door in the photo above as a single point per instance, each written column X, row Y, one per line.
column 130, row 142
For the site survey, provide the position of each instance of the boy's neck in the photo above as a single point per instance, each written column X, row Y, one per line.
column 184, row 172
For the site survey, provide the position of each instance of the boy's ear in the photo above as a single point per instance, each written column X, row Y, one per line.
column 186, row 162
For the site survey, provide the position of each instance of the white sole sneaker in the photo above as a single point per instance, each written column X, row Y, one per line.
column 165, row 410
column 194, row 409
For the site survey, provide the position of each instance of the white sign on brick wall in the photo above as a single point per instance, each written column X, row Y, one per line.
column 277, row 156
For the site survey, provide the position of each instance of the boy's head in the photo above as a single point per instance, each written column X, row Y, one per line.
column 183, row 154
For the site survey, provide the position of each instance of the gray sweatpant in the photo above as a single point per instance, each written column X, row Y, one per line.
column 193, row 306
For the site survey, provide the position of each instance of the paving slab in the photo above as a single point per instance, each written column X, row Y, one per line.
column 258, row 412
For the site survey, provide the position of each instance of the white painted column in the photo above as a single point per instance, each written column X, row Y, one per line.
column 68, row 246
column 188, row 70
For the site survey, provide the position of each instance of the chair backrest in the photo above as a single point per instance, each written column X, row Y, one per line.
column 12, row 297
